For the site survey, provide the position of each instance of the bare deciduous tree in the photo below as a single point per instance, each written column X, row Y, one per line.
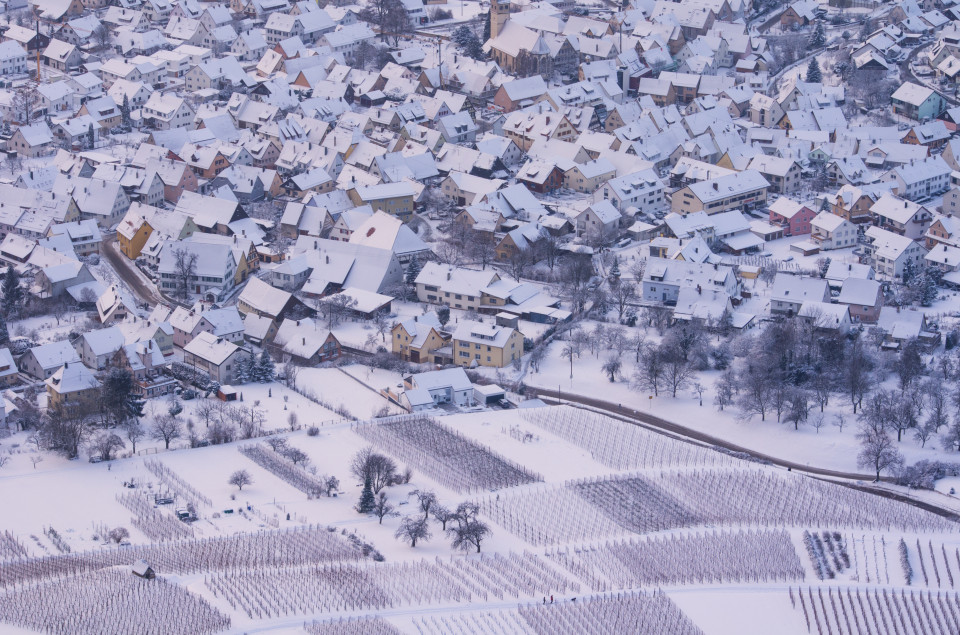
column 240, row 478
column 382, row 507
column 413, row 529
column 166, row 428
column 877, row 451
column 380, row 469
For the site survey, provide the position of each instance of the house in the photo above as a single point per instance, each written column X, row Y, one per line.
column 901, row 216
column 798, row 14
column 902, row 326
column 415, row 339
column 450, row 385
column 853, row 203
column 32, row 141
column 789, row 292
column 742, row 190
column 72, row 386
column 259, row 330
column 384, row 231
column 839, row 271
column 540, row 176
column 213, row 274
column 466, row 189
column 479, row 344
column 110, row 307
column 259, row 298
column 62, row 56
column 863, row 297
column 458, row 128
column 782, row 174
column 888, row 253
column 132, row 234
column 825, row 316
column 40, row 362
column 306, row 341
column 642, row 190
column 225, row 323
column 519, row 92
column 599, row 221
column 917, row 102
column 215, row 356
column 13, row 59
column 55, row 279
column 395, row 199
column 84, row 236
column 97, row 347
column 793, row 217
column 829, row 231
column 944, row 230
column 8, row 369
column 589, row 177
column 166, row 111
column 919, row 180
column 663, row 279
column 455, row 287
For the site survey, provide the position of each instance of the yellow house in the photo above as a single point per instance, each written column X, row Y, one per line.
column 132, row 234
column 395, row 199
column 71, row 386
column 415, row 339
column 479, row 344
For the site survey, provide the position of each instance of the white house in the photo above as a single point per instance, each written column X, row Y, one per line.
column 919, row 180
column 642, row 190
column 888, row 253
column 829, row 231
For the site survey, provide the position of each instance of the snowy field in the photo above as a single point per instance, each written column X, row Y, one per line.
column 606, row 519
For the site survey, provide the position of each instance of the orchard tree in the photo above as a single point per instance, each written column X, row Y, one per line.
column 166, row 428
column 377, row 469
column 413, row 529
column 105, row 444
column 468, row 531
column 240, row 478
column 382, row 507
column 877, row 451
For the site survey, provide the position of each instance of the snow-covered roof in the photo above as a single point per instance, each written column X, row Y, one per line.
column 72, row 378
column 211, row 348
column 263, row 297
column 55, row 354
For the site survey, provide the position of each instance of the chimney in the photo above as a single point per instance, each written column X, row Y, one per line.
column 716, row 187
column 304, row 341
column 328, row 259
column 448, row 275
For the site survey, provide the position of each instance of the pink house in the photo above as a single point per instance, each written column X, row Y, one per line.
column 863, row 297
column 794, row 217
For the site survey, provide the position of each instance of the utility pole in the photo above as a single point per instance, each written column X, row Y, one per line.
column 38, row 51
column 440, row 59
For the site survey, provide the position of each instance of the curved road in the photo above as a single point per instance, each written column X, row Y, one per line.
column 148, row 294
column 674, row 429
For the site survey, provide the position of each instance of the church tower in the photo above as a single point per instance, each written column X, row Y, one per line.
column 499, row 14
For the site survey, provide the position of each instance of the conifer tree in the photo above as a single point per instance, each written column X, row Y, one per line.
column 265, row 371
column 814, row 76
column 413, row 270
column 12, row 292
column 367, row 501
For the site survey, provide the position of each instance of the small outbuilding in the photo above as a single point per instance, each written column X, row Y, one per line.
column 142, row 569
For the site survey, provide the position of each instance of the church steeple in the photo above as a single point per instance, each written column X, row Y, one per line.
column 499, row 14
